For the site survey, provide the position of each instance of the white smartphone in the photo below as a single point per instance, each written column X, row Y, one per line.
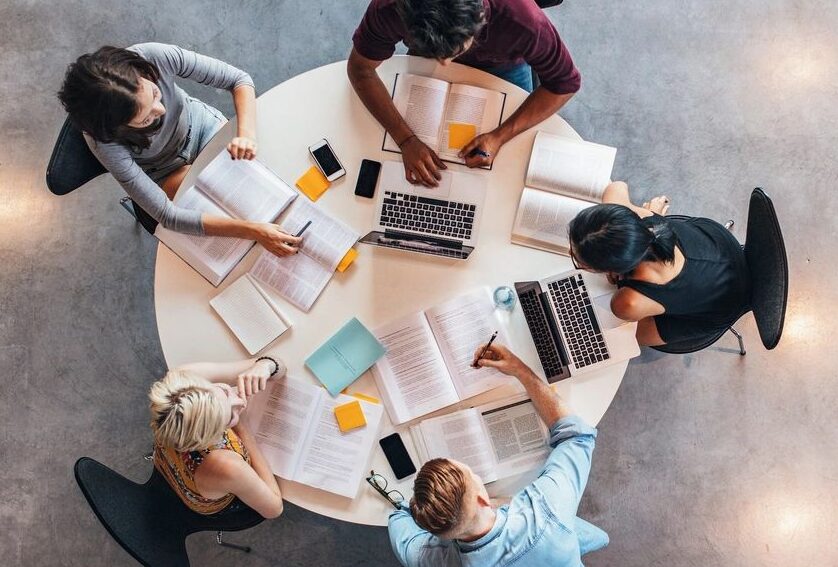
column 326, row 160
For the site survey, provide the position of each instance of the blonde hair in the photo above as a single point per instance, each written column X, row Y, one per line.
column 438, row 492
column 186, row 415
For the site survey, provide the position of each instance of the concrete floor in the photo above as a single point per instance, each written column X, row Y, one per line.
column 707, row 459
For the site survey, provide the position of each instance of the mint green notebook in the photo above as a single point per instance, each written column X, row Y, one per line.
column 345, row 356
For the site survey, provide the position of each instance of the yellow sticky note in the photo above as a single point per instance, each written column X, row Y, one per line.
column 348, row 258
column 313, row 183
column 350, row 416
column 460, row 134
column 365, row 397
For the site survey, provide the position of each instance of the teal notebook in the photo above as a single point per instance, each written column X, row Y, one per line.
column 345, row 356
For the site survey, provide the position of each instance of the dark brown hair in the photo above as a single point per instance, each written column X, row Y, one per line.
column 439, row 28
column 438, row 493
column 100, row 95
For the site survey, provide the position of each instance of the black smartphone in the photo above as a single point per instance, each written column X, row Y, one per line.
column 367, row 178
column 397, row 456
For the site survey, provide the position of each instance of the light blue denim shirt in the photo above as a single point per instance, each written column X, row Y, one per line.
column 538, row 527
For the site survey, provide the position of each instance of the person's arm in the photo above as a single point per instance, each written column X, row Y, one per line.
column 617, row 193
column 243, row 146
column 254, row 484
column 421, row 164
column 406, row 538
column 269, row 235
column 249, row 375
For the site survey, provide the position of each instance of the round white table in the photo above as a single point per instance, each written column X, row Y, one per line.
column 382, row 284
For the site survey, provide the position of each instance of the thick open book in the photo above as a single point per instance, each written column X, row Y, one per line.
column 430, row 105
column 564, row 177
column 239, row 189
column 429, row 354
column 496, row 440
column 250, row 313
column 295, row 427
column 301, row 278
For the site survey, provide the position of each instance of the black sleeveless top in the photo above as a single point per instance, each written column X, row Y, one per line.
column 711, row 291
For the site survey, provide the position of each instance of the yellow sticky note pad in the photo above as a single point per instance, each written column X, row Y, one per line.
column 460, row 134
column 313, row 183
column 365, row 397
column 350, row 416
column 348, row 258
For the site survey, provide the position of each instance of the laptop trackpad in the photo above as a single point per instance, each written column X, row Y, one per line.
column 602, row 305
column 442, row 192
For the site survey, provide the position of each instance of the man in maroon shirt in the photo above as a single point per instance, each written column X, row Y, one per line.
column 503, row 37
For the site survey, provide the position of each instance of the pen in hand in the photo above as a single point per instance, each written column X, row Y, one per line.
column 302, row 230
column 485, row 350
column 479, row 152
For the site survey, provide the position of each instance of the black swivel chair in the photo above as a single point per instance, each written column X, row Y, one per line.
column 148, row 520
column 765, row 253
column 72, row 164
column 543, row 4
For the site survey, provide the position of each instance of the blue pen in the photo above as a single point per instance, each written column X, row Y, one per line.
column 479, row 152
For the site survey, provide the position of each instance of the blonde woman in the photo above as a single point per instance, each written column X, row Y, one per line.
column 200, row 445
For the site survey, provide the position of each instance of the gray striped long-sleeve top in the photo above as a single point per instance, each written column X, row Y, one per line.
column 129, row 167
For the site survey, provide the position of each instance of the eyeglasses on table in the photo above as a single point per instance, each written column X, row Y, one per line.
column 379, row 483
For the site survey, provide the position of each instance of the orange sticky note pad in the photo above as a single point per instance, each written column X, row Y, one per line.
column 313, row 183
column 350, row 256
column 350, row 416
column 460, row 134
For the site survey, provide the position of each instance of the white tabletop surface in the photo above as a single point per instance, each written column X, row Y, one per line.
column 382, row 284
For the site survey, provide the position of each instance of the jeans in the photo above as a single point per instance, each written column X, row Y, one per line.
column 591, row 538
column 519, row 75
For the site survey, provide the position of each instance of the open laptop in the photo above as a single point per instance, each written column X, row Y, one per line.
column 572, row 326
column 441, row 221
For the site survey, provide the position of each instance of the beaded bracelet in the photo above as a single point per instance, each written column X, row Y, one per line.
column 276, row 364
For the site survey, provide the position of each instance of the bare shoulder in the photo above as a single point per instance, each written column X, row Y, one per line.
column 220, row 469
column 631, row 305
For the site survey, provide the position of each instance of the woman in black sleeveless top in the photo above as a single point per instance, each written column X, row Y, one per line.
column 679, row 278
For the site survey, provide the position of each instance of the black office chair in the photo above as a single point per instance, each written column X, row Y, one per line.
column 543, row 4
column 72, row 164
column 148, row 520
column 765, row 254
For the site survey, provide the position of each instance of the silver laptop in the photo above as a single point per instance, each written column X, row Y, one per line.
column 572, row 325
column 441, row 221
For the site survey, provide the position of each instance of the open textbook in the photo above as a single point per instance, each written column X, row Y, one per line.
column 430, row 105
column 564, row 177
column 429, row 354
column 250, row 313
column 496, row 440
column 295, row 427
column 300, row 278
column 241, row 189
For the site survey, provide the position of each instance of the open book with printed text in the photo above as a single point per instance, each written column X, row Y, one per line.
column 239, row 189
column 564, row 177
column 430, row 106
column 429, row 354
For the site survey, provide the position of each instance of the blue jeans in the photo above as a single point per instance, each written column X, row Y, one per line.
column 591, row 538
column 520, row 75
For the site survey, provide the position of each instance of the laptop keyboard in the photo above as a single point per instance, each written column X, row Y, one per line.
column 576, row 317
column 548, row 354
column 431, row 216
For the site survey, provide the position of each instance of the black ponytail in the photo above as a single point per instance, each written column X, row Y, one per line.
column 612, row 238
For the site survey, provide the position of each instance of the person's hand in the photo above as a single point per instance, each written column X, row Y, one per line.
column 242, row 147
column 276, row 241
column 254, row 379
column 658, row 205
column 500, row 357
column 489, row 143
column 421, row 164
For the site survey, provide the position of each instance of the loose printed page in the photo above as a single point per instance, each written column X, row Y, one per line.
column 421, row 102
column 460, row 325
column 281, row 417
column 246, row 189
column 412, row 376
column 469, row 105
column 298, row 278
column 336, row 461
column 570, row 167
column 518, row 437
column 326, row 240
column 542, row 220
column 460, row 436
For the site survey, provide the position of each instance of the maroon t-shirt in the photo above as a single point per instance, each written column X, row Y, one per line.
column 516, row 31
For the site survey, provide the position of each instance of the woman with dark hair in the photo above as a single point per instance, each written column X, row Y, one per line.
column 147, row 131
column 679, row 278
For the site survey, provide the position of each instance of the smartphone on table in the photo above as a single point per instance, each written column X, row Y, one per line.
column 367, row 178
column 326, row 160
column 397, row 456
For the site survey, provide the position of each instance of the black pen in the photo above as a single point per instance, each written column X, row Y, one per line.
column 302, row 230
column 485, row 349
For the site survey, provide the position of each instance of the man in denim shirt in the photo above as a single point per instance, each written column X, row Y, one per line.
column 451, row 521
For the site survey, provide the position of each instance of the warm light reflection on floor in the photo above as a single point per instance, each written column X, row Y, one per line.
column 798, row 63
